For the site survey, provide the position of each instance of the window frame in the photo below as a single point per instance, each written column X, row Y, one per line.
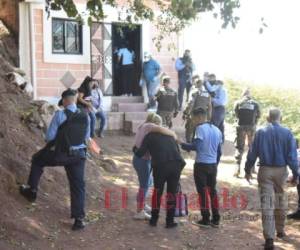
column 80, row 31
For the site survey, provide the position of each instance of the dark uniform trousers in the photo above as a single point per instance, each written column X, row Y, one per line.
column 127, row 74
column 166, row 173
column 218, row 117
column 74, row 167
column 205, row 176
column 241, row 133
column 166, row 118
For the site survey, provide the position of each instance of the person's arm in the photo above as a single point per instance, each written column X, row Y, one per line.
column 252, row 153
column 219, row 153
column 119, row 55
column 292, row 159
column 158, row 95
column 88, row 129
column 158, row 68
column 162, row 130
column 258, row 114
column 53, row 127
column 101, row 99
column 191, row 146
column 209, row 109
column 143, row 149
column 211, row 88
column 236, row 109
column 179, row 65
column 82, row 101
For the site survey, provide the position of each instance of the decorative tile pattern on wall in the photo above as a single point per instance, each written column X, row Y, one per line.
column 101, row 55
column 68, row 79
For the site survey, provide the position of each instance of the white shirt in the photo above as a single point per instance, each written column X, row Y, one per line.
column 127, row 56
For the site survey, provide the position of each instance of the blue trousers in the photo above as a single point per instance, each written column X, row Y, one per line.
column 74, row 167
column 183, row 84
column 143, row 170
column 101, row 116
column 218, row 117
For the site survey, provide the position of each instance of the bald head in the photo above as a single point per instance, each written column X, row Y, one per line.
column 274, row 115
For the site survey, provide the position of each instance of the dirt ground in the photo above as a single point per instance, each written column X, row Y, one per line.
column 46, row 225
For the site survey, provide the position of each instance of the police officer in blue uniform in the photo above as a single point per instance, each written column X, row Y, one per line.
column 66, row 139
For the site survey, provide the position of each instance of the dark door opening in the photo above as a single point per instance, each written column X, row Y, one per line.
column 132, row 34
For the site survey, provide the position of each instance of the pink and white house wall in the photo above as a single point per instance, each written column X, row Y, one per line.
column 57, row 52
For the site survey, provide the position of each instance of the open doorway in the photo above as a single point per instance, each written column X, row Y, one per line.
column 132, row 35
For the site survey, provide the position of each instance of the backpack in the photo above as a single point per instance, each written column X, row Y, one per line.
column 247, row 112
column 72, row 132
column 181, row 203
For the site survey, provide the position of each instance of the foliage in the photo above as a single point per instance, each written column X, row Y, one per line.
column 267, row 96
column 174, row 15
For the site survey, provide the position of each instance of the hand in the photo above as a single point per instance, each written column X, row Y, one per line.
column 248, row 177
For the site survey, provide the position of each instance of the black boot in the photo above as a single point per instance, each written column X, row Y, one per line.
column 153, row 222
column 269, row 244
column 28, row 193
column 171, row 224
column 78, row 224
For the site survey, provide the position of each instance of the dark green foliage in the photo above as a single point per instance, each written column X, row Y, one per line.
column 174, row 17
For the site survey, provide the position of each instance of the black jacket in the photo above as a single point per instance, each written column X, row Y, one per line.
column 162, row 149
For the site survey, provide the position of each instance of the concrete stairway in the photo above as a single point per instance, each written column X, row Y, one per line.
column 127, row 113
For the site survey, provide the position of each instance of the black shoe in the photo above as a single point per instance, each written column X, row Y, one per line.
column 153, row 222
column 78, row 225
column 202, row 223
column 171, row 225
column 27, row 193
column 215, row 223
column 294, row 216
column 269, row 244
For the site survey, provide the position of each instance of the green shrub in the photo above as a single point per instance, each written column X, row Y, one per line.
column 288, row 100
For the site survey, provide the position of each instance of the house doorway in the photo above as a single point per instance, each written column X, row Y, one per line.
column 132, row 35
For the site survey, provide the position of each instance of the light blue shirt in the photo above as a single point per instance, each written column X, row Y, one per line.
column 150, row 70
column 179, row 65
column 126, row 55
column 207, row 144
column 58, row 119
column 220, row 98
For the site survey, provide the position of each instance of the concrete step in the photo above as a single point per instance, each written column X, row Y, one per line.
column 115, row 121
column 131, row 127
column 127, row 99
column 129, row 107
column 140, row 116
